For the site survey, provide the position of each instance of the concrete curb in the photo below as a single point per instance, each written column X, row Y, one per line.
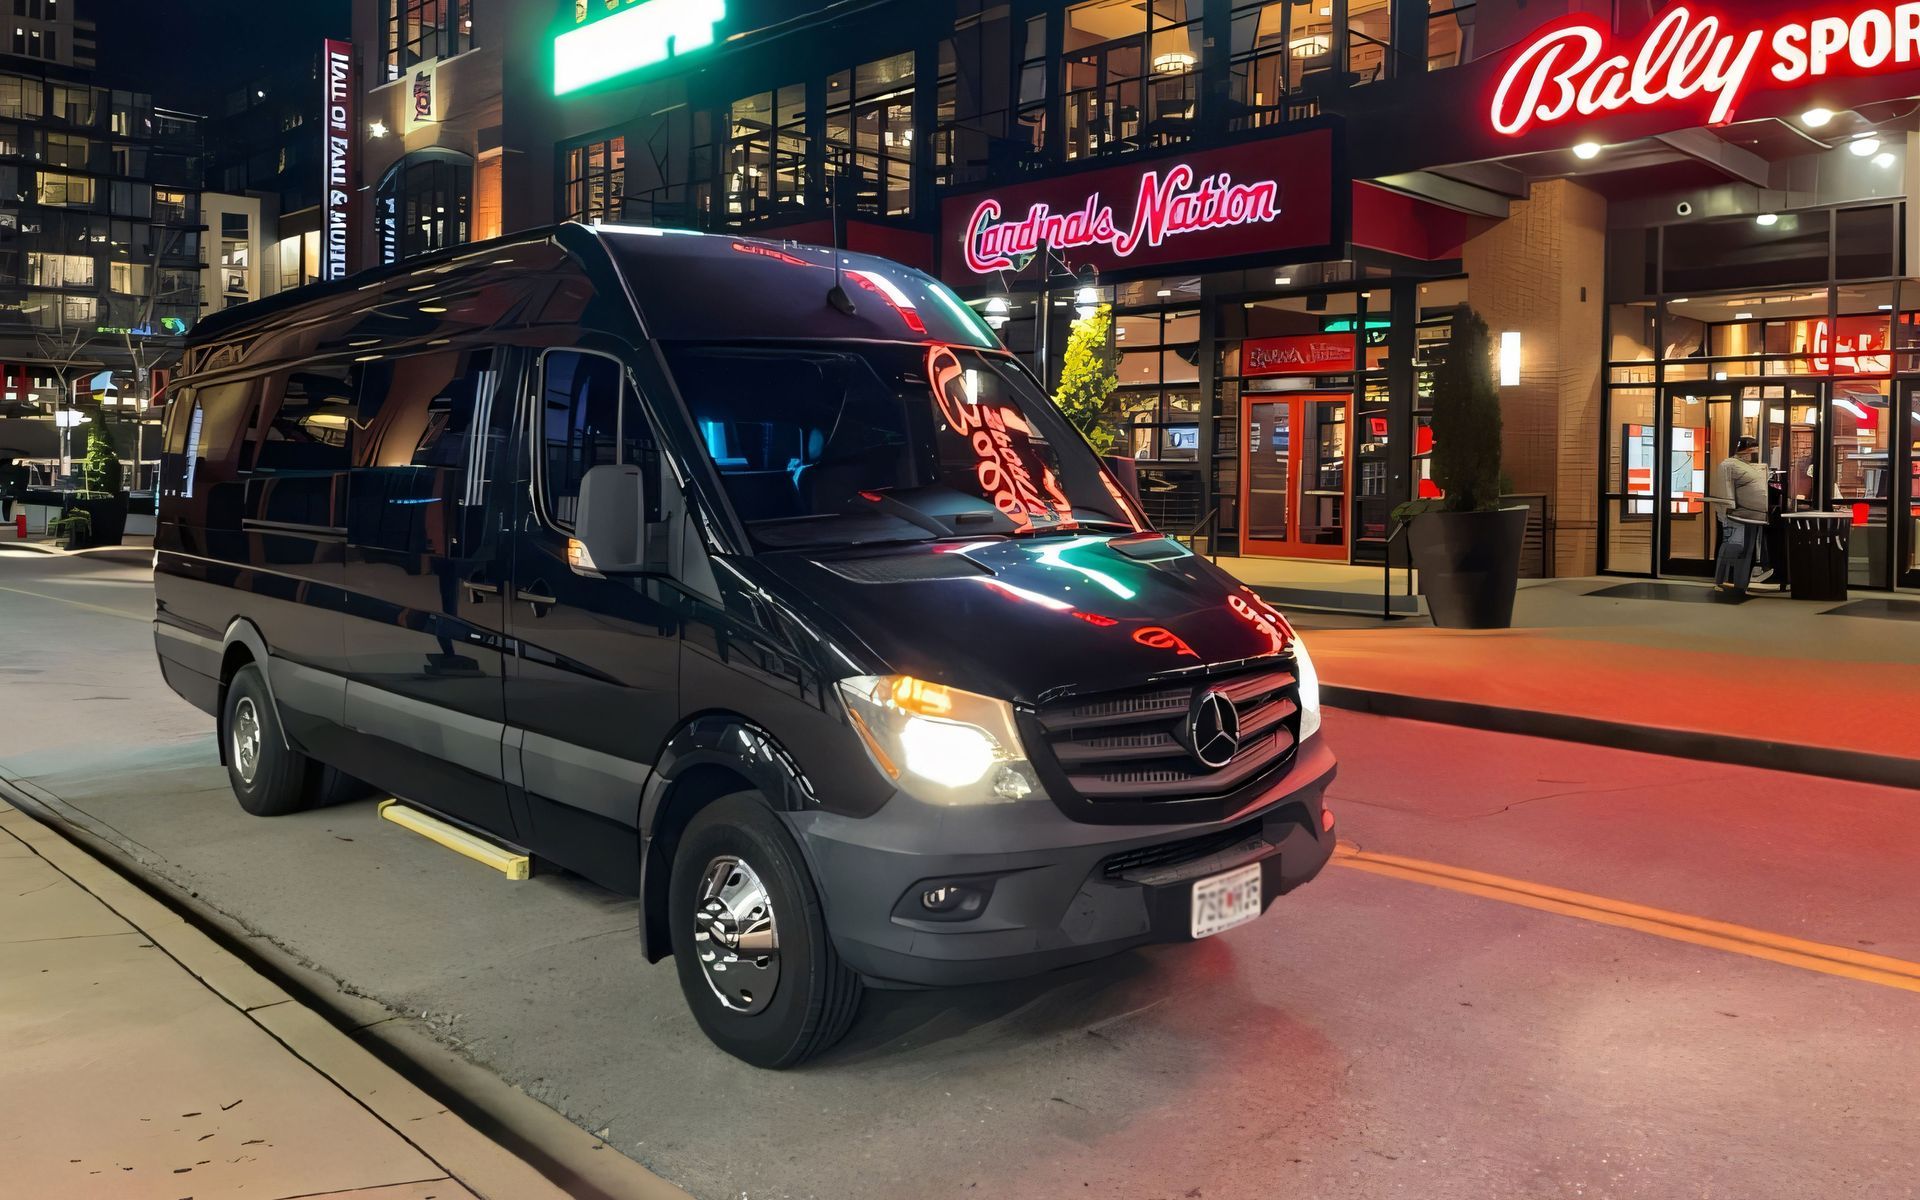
column 134, row 555
column 1854, row 765
column 495, row 1139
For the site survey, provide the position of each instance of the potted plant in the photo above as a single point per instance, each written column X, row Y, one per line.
column 1465, row 545
column 101, row 500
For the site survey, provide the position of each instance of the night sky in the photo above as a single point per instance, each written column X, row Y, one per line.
column 189, row 52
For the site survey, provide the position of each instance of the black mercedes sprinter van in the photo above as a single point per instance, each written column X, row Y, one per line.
column 767, row 587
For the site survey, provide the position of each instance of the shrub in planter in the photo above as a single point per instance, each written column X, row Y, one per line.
column 1465, row 545
column 102, row 503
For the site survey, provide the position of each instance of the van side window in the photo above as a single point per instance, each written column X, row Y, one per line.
column 589, row 418
column 423, row 446
column 302, row 426
column 206, row 437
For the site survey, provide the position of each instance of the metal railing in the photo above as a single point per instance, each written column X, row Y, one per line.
column 1192, row 538
column 1386, row 575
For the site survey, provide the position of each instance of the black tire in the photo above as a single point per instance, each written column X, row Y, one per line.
column 282, row 780
column 816, row 996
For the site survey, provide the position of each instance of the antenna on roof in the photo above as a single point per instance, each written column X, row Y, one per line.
column 838, row 297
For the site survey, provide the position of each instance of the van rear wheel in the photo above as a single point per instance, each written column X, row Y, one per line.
column 269, row 778
column 750, row 939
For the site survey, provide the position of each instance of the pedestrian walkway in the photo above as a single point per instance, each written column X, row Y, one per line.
column 1772, row 682
column 136, row 548
column 142, row 1060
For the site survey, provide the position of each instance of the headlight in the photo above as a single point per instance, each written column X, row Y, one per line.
column 1309, row 689
column 940, row 744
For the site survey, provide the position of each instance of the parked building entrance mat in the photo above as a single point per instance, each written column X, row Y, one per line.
column 1680, row 593
column 1884, row 610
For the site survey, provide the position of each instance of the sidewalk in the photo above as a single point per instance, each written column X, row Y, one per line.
column 144, row 1061
column 137, row 548
column 1772, row 683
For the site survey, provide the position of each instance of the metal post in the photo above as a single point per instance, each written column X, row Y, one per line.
column 1041, row 338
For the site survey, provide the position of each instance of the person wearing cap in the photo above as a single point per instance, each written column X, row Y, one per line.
column 1740, row 492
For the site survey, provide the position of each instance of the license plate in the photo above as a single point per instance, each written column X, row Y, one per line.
column 1226, row 901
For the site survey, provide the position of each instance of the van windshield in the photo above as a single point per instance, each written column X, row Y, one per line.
column 843, row 444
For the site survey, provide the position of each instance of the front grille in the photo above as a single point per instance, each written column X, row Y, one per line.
column 1174, row 854
column 1133, row 746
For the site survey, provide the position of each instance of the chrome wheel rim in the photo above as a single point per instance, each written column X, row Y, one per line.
column 735, row 937
column 246, row 739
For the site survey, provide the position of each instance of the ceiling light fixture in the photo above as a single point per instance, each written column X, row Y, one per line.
column 1587, row 151
column 1769, row 220
column 1817, row 118
column 1864, row 146
column 1885, row 160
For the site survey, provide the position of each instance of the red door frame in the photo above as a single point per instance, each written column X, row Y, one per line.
column 1295, row 402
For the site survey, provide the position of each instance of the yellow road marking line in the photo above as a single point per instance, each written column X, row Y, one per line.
column 514, row 866
column 112, row 612
column 1679, row 927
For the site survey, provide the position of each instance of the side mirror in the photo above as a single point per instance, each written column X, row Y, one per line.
column 610, row 533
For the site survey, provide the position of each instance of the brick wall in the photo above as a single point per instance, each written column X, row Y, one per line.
column 1542, row 273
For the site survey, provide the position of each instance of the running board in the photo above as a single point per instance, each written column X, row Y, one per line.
column 515, row 864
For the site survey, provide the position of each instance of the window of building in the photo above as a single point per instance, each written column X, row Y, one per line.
column 413, row 31
column 76, row 105
column 66, row 150
column 1032, row 112
column 1369, row 40
column 1277, row 47
column 974, row 93
column 870, row 128
column 596, row 180
column 66, row 191
column 424, row 203
column 1449, row 33
column 749, row 162
column 22, row 97
column 790, row 145
column 1131, row 74
column 127, row 279
column 55, row 310
column 173, row 207
column 59, row 270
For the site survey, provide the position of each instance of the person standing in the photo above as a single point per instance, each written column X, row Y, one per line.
column 1740, row 490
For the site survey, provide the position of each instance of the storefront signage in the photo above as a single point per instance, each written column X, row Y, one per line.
column 1860, row 349
column 1310, row 354
column 1575, row 69
column 341, row 103
column 639, row 35
column 1254, row 198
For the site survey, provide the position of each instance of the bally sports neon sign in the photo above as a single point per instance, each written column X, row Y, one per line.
column 1169, row 204
column 1571, row 69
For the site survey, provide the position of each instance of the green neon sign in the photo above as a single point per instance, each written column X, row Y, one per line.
column 641, row 36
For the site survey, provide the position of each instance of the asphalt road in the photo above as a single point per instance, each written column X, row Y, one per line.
column 1391, row 1030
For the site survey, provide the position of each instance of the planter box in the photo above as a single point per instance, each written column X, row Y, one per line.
column 1469, row 565
column 109, row 522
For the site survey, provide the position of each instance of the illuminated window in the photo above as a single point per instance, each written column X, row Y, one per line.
column 596, row 181
column 971, row 100
column 1277, row 47
column 66, row 191
column 414, row 31
column 76, row 105
column 870, row 133
column 1369, row 40
column 424, row 203
column 1449, row 33
column 1132, row 74
column 59, row 270
column 22, row 97
column 749, row 161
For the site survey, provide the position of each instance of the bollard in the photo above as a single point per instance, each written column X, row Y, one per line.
column 20, row 526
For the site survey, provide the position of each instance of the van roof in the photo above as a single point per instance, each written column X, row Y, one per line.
column 687, row 286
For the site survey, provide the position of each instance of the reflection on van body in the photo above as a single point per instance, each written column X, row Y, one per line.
column 769, row 589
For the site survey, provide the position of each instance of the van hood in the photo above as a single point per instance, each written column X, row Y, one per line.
column 1026, row 620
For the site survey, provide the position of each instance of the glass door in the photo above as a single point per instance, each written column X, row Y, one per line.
column 1699, row 426
column 1907, row 468
column 1861, row 468
column 1297, row 492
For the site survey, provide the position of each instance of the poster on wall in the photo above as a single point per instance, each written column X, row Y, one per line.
column 423, row 94
column 339, row 106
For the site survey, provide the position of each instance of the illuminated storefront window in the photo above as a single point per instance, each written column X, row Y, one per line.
column 1132, row 74
column 415, row 31
column 596, row 180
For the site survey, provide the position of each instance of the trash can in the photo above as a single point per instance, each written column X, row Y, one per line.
column 1817, row 554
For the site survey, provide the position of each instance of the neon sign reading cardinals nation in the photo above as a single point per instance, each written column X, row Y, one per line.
column 1572, row 69
column 1169, row 204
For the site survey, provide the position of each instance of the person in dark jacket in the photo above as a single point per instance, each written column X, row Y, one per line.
column 1740, row 491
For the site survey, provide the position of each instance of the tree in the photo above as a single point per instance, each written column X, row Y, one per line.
column 1467, row 426
column 100, row 471
column 60, row 348
column 1088, row 381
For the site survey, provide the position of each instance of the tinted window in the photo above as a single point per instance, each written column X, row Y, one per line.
column 303, row 422
column 830, row 445
column 424, row 443
column 589, row 419
column 1739, row 252
column 1864, row 243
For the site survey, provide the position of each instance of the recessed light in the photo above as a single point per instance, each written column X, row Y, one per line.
column 1886, row 308
column 1883, row 161
column 1587, row 151
column 1864, row 146
column 1284, row 281
column 1681, row 300
column 1164, row 292
column 1743, row 316
column 1816, row 118
column 1767, row 219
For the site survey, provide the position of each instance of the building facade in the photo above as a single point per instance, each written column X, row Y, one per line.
column 1682, row 225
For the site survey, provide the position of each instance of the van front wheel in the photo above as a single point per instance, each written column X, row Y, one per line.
column 269, row 778
column 750, row 940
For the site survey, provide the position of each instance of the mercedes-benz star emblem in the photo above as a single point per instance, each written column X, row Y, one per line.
column 1213, row 730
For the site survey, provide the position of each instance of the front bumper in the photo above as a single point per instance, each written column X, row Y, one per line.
column 1054, row 902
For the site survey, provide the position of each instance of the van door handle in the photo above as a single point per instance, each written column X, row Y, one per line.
column 478, row 590
column 540, row 600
